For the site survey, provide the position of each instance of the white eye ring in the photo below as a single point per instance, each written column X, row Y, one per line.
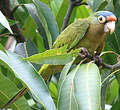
column 101, row 19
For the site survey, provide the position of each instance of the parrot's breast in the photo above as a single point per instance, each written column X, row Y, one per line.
column 93, row 38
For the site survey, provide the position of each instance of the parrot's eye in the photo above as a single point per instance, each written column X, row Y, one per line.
column 101, row 19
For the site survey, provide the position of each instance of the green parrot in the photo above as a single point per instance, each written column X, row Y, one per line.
column 89, row 33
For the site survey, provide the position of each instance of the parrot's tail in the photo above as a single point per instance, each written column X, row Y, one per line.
column 48, row 70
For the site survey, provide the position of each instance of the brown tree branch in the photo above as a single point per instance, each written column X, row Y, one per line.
column 67, row 17
column 112, row 67
column 16, row 7
column 6, row 10
column 72, row 4
column 99, row 61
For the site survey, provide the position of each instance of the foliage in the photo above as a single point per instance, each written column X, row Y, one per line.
column 79, row 87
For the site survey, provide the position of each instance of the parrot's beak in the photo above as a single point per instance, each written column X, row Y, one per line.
column 110, row 25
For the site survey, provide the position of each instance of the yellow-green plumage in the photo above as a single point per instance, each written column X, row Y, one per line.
column 88, row 33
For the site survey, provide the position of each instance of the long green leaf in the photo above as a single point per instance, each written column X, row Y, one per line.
column 4, row 22
column 64, row 73
column 61, row 13
column 53, row 56
column 30, row 32
column 55, row 5
column 81, row 89
column 44, row 24
column 95, row 4
column 116, row 106
column 102, row 6
column 40, row 21
column 51, row 22
column 31, row 49
column 2, row 48
column 29, row 28
column 111, row 92
column 82, row 12
column 27, row 74
column 7, row 90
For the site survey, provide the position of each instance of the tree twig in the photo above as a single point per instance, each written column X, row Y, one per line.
column 15, row 8
column 99, row 61
column 72, row 4
column 112, row 67
column 67, row 17
column 6, row 10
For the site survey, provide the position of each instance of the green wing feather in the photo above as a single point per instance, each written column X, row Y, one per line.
column 72, row 34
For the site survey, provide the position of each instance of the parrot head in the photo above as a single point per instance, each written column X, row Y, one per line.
column 108, row 19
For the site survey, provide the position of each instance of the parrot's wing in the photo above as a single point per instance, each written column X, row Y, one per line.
column 72, row 34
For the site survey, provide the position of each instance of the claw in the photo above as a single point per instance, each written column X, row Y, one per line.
column 84, row 53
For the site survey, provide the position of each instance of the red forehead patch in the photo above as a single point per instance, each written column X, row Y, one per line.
column 111, row 18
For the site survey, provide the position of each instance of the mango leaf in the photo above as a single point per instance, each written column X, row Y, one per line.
column 109, row 6
column 41, row 23
column 7, row 90
column 72, row 17
column 64, row 73
column 51, row 22
column 111, row 92
column 29, row 31
column 21, row 13
column 45, row 1
column 102, row 6
column 61, row 13
column 39, row 43
column 95, row 4
column 24, row 1
column 32, row 33
column 4, row 22
column 53, row 91
column 28, row 75
column 2, row 48
column 81, row 89
column 55, row 5
column 27, row 49
column 53, row 56
column 116, row 106
column 82, row 12
column 20, row 49
column 44, row 24
column 11, row 23
column 31, row 49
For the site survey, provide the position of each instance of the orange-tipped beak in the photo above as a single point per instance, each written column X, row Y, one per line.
column 111, row 18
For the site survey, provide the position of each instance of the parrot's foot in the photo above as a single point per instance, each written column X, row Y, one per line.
column 84, row 53
column 98, row 60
